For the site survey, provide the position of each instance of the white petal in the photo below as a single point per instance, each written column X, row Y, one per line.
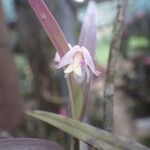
column 68, row 57
column 69, row 69
column 57, row 57
column 66, row 75
column 70, row 47
column 77, row 70
column 88, row 60
column 79, row 79
column 63, row 63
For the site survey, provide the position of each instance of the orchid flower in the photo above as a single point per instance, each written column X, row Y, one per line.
column 79, row 62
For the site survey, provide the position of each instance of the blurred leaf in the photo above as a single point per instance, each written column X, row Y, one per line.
column 50, row 25
column 88, row 134
column 25, row 74
column 88, row 31
column 102, row 52
column 136, row 42
column 28, row 144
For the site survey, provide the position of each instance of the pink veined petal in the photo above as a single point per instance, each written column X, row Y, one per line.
column 88, row 61
column 68, row 57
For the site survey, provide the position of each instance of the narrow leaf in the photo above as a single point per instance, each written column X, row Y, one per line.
column 54, row 33
column 50, row 25
column 88, row 31
column 57, row 122
column 87, row 133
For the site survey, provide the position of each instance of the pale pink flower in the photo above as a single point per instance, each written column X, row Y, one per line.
column 79, row 62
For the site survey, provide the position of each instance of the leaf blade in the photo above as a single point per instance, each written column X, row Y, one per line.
column 50, row 25
column 86, row 132
column 87, row 36
column 75, row 132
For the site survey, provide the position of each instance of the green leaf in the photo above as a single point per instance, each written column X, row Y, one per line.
column 94, row 137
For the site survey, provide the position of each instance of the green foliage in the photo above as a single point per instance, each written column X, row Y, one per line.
column 94, row 137
column 136, row 42
column 25, row 74
column 102, row 52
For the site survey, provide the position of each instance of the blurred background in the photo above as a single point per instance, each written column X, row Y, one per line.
column 28, row 79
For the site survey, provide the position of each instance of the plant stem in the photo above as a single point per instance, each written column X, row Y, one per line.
column 109, row 87
column 75, row 144
column 71, row 97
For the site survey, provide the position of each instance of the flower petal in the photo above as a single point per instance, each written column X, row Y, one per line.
column 77, row 70
column 88, row 61
column 79, row 79
column 70, row 47
column 68, row 57
column 57, row 57
column 69, row 69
